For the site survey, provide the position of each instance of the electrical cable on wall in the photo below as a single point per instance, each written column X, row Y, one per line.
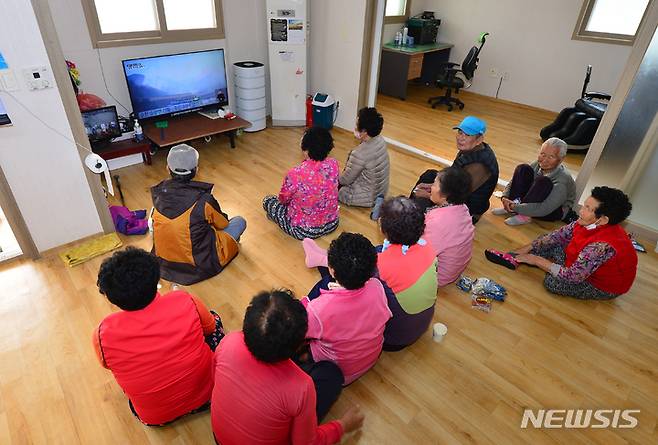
column 44, row 123
column 100, row 61
column 92, row 160
column 499, row 84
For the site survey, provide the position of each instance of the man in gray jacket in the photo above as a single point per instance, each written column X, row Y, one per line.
column 364, row 181
column 544, row 189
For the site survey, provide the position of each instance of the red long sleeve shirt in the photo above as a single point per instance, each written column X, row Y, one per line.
column 264, row 403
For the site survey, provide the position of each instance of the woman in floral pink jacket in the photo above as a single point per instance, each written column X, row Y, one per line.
column 307, row 205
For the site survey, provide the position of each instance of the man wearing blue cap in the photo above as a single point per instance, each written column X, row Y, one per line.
column 477, row 158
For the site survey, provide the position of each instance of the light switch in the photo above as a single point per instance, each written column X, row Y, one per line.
column 37, row 78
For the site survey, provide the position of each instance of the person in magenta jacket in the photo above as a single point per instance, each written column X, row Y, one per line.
column 307, row 205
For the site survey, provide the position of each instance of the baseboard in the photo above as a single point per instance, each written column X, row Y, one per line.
column 643, row 232
column 55, row 251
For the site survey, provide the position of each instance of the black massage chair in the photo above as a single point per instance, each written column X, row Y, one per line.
column 577, row 125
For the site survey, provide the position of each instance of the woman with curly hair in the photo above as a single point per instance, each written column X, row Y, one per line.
column 593, row 257
column 307, row 205
column 159, row 347
column 407, row 270
column 347, row 309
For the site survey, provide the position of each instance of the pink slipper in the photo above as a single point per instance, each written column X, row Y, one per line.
column 502, row 258
column 316, row 256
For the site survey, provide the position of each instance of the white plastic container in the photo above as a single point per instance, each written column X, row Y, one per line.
column 250, row 101
column 439, row 331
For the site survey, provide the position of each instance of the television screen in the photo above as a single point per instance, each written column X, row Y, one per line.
column 176, row 83
column 101, row 124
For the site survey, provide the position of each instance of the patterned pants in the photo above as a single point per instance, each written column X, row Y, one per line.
column 278, row 213
column 557, row 285
column 213, row 339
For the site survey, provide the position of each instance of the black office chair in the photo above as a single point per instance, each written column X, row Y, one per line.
column 450, row 81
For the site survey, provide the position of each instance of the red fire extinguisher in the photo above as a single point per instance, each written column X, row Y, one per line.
column 309, row 111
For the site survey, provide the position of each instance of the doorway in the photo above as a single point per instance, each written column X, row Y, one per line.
column 9, row 247
column 15, row 238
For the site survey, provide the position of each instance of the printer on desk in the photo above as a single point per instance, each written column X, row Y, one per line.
column 424, row 29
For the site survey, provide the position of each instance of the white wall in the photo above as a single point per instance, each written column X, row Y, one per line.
column 336, row 48
column 531, row 40
column 244, row 32
column 43, row 169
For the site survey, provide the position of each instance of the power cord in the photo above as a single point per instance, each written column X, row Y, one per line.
column 499, row 84
column 44, row 123
column 100, row 61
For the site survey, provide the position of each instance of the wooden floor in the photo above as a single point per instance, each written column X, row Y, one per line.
column 513, row 129
column 535, row 350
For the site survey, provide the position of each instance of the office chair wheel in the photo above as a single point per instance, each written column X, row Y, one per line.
column 449, row 107
column 461, row 106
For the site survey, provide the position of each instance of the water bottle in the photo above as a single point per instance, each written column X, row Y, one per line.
column 139, row 134
column 398, row 38
column 405, row 33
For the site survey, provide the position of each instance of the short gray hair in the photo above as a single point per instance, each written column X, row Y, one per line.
column 558, row 143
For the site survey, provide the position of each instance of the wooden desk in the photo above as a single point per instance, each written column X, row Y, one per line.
column 400, row 64
column 125, row 147
column 191, row 126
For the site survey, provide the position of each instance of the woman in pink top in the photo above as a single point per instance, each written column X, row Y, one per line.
column 261, row 396
column 448, row 224
column 346, row 321
column 307, row 205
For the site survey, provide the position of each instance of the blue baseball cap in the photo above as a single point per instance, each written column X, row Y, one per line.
column 472, row 126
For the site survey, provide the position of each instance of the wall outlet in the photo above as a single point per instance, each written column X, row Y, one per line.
column 493, row 72
column 506, row 75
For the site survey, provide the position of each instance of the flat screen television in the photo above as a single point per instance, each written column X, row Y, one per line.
column 177, row 83
column 101, row 124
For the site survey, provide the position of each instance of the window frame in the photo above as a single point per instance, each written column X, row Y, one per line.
column 163, row 35
column 580, row 33
column 388, row 19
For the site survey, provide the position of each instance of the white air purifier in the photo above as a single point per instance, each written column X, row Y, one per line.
column 250, row 102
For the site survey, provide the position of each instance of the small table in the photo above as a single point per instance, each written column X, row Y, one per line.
column 125, row 147
column 191, row 126
column 399, row 64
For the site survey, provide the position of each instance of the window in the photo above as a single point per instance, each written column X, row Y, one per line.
column 139, row 22
column 397, row 11
column 610, row 21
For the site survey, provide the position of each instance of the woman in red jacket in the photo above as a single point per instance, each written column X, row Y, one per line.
column 159, row 347
column 592, row 258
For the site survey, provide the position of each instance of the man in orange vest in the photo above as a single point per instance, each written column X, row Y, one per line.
column 192, row 237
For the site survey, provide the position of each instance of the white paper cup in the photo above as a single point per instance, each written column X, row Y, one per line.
column 439, row 330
